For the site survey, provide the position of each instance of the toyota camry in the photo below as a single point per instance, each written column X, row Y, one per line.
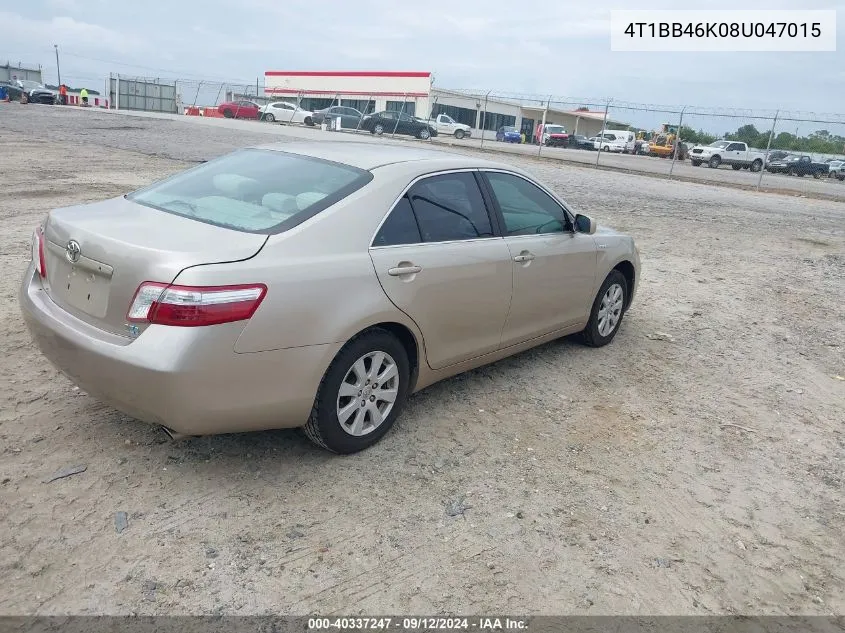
column 315, row 285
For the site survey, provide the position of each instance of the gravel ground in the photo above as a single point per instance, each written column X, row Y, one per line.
column 694, row 466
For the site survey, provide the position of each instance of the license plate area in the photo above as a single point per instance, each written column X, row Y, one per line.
column 83, row 284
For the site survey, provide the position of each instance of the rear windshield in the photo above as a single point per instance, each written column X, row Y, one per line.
column 255, row 191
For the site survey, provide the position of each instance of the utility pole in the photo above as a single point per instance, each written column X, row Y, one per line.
column 58, row 70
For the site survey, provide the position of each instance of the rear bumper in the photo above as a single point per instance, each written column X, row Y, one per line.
column 188, row 379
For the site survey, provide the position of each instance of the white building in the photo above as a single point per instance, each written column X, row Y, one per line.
column 412, row 92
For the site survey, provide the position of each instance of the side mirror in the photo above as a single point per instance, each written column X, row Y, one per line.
column 585, row 224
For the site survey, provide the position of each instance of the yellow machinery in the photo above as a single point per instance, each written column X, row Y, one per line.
column 662, row 142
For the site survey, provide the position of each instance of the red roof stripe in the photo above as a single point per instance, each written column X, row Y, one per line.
column 342, row 93
column 343, row 73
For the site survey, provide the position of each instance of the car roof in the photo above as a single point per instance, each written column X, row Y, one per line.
column 364, row 155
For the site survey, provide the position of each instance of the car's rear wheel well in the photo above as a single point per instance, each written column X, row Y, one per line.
column 627, row 270
column 409, row 342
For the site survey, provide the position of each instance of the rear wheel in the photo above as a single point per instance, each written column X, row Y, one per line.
column 817, row 174
column 840, row 177
column 757, row 165
column 361, row 395
column 696, row 163
column 309, row 121
column 736, row 167
column 608, row 310
column 459, row 134
column 378, row 129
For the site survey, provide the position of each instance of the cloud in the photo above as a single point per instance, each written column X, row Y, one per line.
column 67, row 31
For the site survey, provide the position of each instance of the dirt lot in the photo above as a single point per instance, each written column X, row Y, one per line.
column 693, row 466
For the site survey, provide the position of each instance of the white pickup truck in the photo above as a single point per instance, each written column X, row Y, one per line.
column 732, row 153
column 448, row 126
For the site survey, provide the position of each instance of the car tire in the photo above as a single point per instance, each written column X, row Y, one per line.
column 696, row 163
column 459, row 134
column 309, row 121
column 228, row 113
column 378, row 129
column 736, row 167
column 610, row 303
column 606, row 148
column 757, row 165
column 817, row 174
column 424, row 134
column 269, row 118
column 714, row 162
column 348, row 370
column 840, row 177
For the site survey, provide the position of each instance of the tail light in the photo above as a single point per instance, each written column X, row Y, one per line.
column 38, row 256
column 193, row 306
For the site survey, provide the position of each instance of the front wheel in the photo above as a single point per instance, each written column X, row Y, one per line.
column 817, row 174
column 378, row 129
column 424, row 134
column 459, row 134
column 696, row 163
column 309, row 121
column 736, row 167
column 361, row 395
column 608, row 310
column 228, row 113
column 715, row 162
column 270, row 118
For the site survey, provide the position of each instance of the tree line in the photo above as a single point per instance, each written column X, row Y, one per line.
column 819, row 142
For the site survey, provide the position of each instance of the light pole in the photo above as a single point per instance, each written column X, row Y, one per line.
column 58, row 70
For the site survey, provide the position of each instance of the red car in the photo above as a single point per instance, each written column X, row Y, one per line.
column 239, row 110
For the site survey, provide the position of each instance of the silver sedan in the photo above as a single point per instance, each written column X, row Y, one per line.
column 315, row 285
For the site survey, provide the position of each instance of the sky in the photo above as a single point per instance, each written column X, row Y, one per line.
column 551, row 47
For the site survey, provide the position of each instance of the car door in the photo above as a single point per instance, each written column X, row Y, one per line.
column 439, row 261
column 554, row 267
column 407, row 125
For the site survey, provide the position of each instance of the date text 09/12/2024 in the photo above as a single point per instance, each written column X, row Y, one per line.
column 480, row 624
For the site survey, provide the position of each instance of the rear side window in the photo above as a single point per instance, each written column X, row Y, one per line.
column 255, row 191
column 442, row 208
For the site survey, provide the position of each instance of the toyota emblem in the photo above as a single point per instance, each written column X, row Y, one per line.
column 72, row 251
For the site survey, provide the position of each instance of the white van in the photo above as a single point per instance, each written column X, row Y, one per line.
column 625, row 137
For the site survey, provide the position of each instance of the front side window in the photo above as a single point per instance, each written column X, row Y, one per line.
column 256, row 191
column 527, row 209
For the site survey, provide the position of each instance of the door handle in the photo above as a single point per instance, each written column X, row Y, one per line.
column 403, row 270
column 524, row 257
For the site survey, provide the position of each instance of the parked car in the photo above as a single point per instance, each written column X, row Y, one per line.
column 350, row 118
column 776, row 154
column 508, row 134
column 579, row 141
column 285, row 112
column 35, row 92
column 444, row 124
column 240, row 110
column 388, row 121
column 625, row 138
column 13, row 90
column 555, row 136
column 798, row 165
column 733, row 153
column 294, row 285
column 609, row 143
column 836, row 169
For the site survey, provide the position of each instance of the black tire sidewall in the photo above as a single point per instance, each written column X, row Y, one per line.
column 332, row 434
column 592, row 329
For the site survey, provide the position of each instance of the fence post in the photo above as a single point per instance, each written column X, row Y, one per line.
column 401, row 112
column 543, row 126
column 484, row 118
column 603, row 128
column 364, row 113
column 117, row 92
column 677, row 142
column 768, row 147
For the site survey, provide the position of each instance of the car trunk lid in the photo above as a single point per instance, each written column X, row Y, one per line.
column 98, row 254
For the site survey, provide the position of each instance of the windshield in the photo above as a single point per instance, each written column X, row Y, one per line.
column 29, row 85
column 508, row 129
column 256, row 191
column 720, row 144
column 555, row 129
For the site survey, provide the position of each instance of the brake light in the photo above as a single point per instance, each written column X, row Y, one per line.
column 38, row 256
column 193, row 306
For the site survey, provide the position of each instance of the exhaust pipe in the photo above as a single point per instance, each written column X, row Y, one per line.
column 174, row 435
